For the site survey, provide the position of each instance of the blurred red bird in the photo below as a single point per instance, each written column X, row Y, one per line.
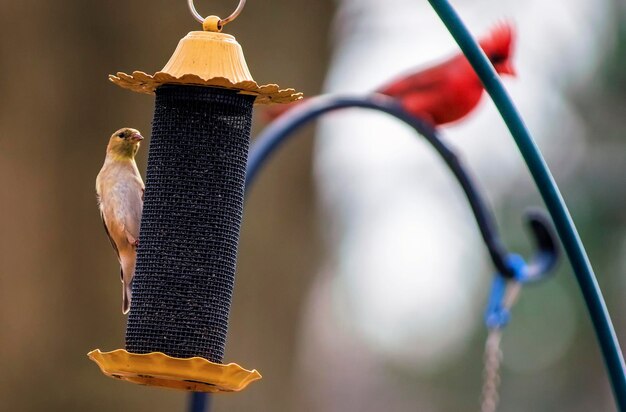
column 448, row 91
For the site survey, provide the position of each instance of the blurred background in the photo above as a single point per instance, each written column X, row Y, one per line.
column 361, row 279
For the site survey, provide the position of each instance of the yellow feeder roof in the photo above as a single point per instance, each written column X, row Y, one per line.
column 207, row 58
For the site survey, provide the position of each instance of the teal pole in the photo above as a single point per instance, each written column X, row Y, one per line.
column 552, row 197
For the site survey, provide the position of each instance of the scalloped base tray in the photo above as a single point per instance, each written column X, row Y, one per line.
column 158, row 369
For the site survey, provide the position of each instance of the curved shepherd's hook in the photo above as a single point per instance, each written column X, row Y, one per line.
column 546, row 254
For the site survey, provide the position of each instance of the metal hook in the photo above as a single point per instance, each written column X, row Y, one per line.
column 547, row 252
column 223, row 22
column 504, row 292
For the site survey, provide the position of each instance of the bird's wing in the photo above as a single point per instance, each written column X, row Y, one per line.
column 106, row 229
column 427, row 80
column 421, row 104
column 132, row 219
column 432, row 78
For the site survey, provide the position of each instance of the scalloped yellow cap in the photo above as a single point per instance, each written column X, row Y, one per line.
column 158, row 369
column 207, row 58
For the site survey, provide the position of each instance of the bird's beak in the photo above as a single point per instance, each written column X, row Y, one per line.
column 508, row 68
column 136, row 137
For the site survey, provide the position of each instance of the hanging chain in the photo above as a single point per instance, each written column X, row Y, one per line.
column 491, row 373
column 493, row 354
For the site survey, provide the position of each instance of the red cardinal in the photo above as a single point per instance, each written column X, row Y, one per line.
column 448, row 91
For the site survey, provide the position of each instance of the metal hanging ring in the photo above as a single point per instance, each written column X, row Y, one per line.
column 223, row 22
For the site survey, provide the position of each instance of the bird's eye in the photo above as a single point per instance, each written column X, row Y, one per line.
column 120, row 135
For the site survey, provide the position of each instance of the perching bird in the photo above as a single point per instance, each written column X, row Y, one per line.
column 120, row 197
column 448, row 91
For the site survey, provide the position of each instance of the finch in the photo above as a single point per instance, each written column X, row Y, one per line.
column 119, row 189
column 448, row 91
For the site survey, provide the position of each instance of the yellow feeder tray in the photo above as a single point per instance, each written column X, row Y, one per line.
column 158, row 369
column 207, row 58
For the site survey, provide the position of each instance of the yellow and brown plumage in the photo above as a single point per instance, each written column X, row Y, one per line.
column 120, row 198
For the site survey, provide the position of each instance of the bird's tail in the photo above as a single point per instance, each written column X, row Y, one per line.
column 271, row 113
column 126, row 290
column 126, row 295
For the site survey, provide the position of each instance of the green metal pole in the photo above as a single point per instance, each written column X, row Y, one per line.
column 552, row 197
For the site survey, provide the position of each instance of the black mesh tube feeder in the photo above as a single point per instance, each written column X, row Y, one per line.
column 193, row 204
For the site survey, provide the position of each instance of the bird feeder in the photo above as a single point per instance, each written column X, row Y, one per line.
column 193, row 205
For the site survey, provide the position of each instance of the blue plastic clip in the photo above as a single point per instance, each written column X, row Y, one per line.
column 497, row 315
column 542, row 262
